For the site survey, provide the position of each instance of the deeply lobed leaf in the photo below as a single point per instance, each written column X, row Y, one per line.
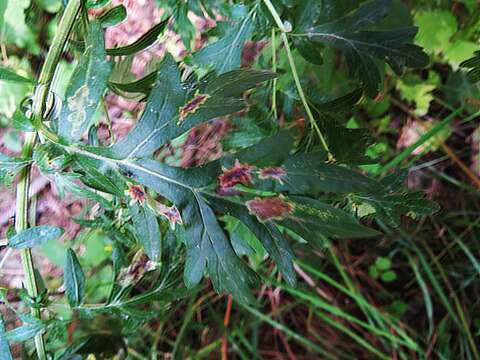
column 361, row 43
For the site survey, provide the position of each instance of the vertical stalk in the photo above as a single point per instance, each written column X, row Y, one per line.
column 274, row 69
column 283, row 34
column 22, row 197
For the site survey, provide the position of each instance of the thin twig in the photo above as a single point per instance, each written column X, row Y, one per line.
column 226, row 321
column 298, row 85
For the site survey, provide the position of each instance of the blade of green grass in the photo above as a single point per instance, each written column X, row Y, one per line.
column 299, row 338
column 336, row 311
column 388, row 320
column 426, row 294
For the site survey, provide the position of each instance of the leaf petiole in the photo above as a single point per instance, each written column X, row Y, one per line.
column 296, row 78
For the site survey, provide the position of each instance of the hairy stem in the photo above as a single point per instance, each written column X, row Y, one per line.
column 22, row 196
column 291, row 62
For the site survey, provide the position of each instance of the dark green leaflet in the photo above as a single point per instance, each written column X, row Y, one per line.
column 34, row 236
column 74, row 279
column 86, row 87
column 10, row 167
column 312, row 217
column 207, row 244
column 161, row 122
column 352, row 34
column 8, row 75
column 473, row 64
column 142, row 85
column 143, row 42
column 267, row 233
column 113, row 16
column 224, row 55
column 147, row 230
column 309, row 174
column 31, row 327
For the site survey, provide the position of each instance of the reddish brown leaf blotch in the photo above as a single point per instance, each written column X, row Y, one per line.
column 172, row 215
column 238, row 174
column 192, row 106
column 269, row 208
column 136, row 193
column 275, row 173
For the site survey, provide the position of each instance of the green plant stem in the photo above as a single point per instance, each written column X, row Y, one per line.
column 274, row 69
column 22, row 196
column 291, row 61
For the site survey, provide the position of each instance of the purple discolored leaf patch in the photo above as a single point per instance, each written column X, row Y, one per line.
column 238, row 174
column 275, row 173
column 192, row 106
column 227, row 191
column 269, row 208
column 136, row 193
column 140, row 265
column 172, row 215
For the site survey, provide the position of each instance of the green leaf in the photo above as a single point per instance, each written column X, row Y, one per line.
column 267, row 233
column 312, row 217
column 176, row 184
column 389, row 206
column 74, row 279
column 147, row 230
column 373, row 272
column 113, row 16
column 5, row 353
column 14, row 27
column 143, row 41
column 247, row 133
column 383, row 263
column 349, row 145
column 243, row 241
column 51, row 6
column 344, row 102
column 473, row 64
column 388, row 276
column 270, row 151
column 94, row 178
column 10, row 167
column 143, row 85
column 309, row 174
column 310, row 51
column 182, row 24
column 85, row 89
column 225, row 54
column 235, row 82
column 10, row 75
column 34, row 236
column 206, row 243
column 68, row 182
column 159, row 116
column 436, row 27
column 205, row 240
column 21, row 122
column 95, row 4
column 3, row 8
column 417, row 90
column 361, row 46
column 27, row 331
column 168, row 114
column 457, row 51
